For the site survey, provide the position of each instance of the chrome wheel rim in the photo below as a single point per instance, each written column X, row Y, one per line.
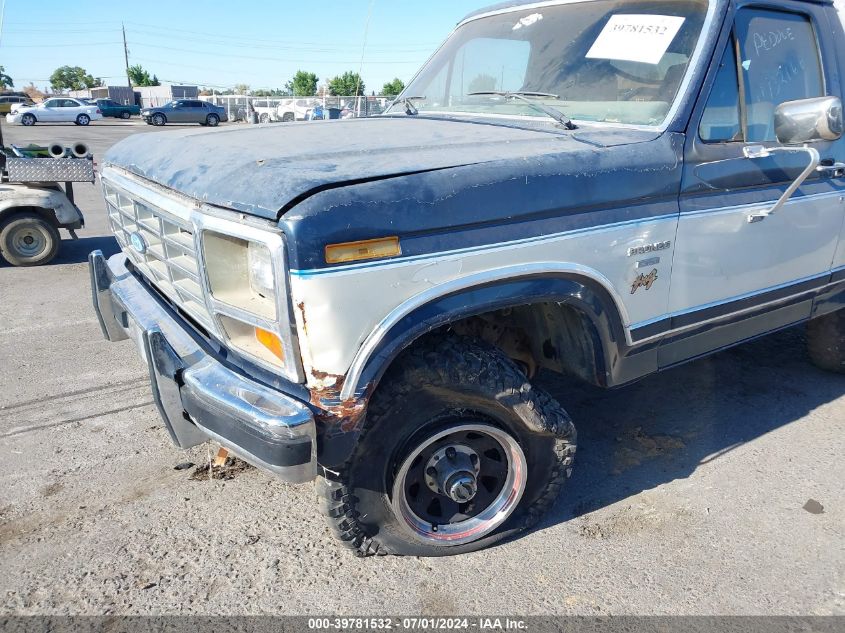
column 158, row 119
column 83, row 120
column 463, row 499
column 28, row 242
column 28, row 119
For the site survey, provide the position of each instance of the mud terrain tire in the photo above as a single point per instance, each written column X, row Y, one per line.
column 430, row 389
column 826, row 341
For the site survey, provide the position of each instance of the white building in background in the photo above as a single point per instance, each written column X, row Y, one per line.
column 152, row 96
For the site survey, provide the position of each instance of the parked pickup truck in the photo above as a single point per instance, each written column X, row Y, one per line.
column 117, row 110
column 604, row 188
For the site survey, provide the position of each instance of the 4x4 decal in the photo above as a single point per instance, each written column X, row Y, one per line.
column 644, row 281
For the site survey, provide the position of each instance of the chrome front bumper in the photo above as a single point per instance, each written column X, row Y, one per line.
column 198, row 397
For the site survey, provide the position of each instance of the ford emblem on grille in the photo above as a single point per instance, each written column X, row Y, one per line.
column 136, row 240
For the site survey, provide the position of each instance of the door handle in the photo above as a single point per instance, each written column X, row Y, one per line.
column 831, row 165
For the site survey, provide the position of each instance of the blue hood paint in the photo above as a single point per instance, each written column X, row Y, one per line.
column 266, row 170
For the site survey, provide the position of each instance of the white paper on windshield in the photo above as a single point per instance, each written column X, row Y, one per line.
column 636, row 38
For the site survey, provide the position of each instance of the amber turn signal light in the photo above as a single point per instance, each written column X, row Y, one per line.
column 271, row 342
column 365, row 249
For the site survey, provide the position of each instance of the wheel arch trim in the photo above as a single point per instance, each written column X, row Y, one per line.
column 492, row 289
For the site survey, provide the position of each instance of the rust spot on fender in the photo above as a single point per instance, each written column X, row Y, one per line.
column 301, row 306
column 342, row 415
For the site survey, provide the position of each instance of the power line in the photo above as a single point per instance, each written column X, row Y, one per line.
column 158, row 30
column 77, row 45
column 364, row 46
column 274, row 59
column 248, row 39
column 315, row 48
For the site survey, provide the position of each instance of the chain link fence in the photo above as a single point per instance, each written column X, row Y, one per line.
column 275, row 109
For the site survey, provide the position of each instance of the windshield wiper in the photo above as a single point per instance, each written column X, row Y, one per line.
column 525, row 96
column 408, row 102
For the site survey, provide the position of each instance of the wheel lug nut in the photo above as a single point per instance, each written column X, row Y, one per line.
column 451, row 452
column 431, row 471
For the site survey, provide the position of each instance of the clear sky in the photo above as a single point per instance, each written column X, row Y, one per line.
column 220, row 44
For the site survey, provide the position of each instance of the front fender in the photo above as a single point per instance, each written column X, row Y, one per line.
column 581, row 292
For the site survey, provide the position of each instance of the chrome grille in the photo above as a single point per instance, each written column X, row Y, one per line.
column 170, row 260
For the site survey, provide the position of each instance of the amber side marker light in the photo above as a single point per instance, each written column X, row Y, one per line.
column 365, row 249
column 271, row 342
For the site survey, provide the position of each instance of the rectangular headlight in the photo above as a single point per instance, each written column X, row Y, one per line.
column 260, row 269
column 246, row 281
column 240, row 273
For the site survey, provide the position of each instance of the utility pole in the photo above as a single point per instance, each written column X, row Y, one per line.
column 126, row 57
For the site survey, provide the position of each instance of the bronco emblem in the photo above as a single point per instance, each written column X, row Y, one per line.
column 644, row 281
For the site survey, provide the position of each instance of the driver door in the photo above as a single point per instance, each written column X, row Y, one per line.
column 178, row 113
column 51, row 110
column 734, row 278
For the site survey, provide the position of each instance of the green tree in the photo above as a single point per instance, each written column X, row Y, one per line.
column 482, row 83
column 303, row 84
column 241, row 89
column 140, row 77
column 5, row 80
column 348, row 84
column 72, row 78
column 393, row 88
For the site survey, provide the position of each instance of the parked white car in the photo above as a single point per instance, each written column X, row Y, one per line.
column 266, row 109
column 58, row 109
column 294, row 109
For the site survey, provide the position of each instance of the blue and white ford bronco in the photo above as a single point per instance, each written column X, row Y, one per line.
column 604, row 188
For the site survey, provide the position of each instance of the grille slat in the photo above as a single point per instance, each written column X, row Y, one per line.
column 170, row 259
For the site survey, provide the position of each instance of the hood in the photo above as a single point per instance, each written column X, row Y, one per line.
column 265, row 170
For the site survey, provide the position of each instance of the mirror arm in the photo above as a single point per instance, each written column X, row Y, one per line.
column 834, row 167
column 758, row 151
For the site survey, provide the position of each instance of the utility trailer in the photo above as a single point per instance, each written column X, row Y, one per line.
column 36, row 199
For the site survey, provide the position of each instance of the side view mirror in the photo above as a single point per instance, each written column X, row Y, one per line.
column 809, row 120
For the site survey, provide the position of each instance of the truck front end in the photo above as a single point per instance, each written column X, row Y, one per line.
column 202, row 292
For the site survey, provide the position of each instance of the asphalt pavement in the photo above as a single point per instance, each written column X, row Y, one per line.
column 714, row 488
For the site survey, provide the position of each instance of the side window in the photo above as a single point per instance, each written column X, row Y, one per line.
column 720, row 122
column 780, row 62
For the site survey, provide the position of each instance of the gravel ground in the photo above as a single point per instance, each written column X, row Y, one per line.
column 715, row 488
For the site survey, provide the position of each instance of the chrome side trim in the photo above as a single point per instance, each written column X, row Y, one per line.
column 484, row 248
column 728, row 315
column 375, row 337
column 754, row 206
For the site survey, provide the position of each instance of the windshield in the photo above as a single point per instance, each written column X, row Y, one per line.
column 619, row 61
